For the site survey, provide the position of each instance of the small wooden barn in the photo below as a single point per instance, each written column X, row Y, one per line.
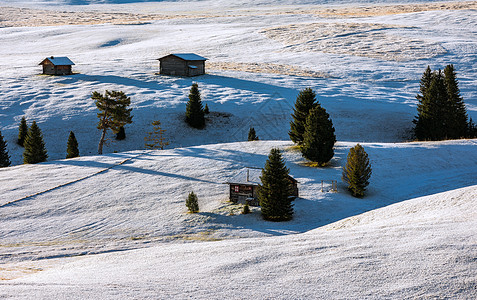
column 182, row 64
column 57, row 65
column 244, row 186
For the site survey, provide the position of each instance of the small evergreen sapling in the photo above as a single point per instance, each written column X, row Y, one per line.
column 121, row 135
column 319, row 138
column 4, row 157
column 357, row 171
column 246, row 209
column 22, row 131
column 206, row 109
column 72, row 146
column 274, row 192
column 252, row 136
column 192, row 203
column 156, row 139
column 35, row 151
column 194, row 111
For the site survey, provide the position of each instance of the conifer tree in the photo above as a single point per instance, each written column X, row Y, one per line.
column 457, row 126
column 156, row 139
column 252, row 136
column 121, row 135
column 72, row 146
column 206, row 109
column 113, row 113
column 192, row 203
column 194, row 111
column 22, row 131
column 274, row 192
column 441, row 112
column 305, row 101
column 319, row 138
column 4, row 157
column 35, row 151
column 357, row 171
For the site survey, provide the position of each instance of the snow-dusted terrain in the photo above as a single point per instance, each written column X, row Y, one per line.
column 412, row 236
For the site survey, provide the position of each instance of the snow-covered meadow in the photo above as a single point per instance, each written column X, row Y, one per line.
column 364, row 59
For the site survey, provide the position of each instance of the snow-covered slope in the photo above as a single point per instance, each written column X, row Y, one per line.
column 421, row 248
column 136, row 199
column 367, row 73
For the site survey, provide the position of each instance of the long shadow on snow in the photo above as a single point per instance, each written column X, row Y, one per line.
column 125, row 167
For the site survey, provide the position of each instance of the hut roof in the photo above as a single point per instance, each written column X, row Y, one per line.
column 186, row 56
column 58, row 61
column 250, row 176
column 241, row 177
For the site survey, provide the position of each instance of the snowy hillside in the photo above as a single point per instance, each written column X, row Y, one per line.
column 421, row 248
column 367, row 78
column 115, row 226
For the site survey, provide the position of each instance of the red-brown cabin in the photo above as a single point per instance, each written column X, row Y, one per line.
column 57, row 65
column 182, row 64
column 244, row 186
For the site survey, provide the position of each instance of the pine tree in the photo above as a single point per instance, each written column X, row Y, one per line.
column 72, row 146
column 114, row 113
column 441, row 112
column 206, row 109
column 357, row 171
column 274, row 192
column 194, row 111
column 319, row 138
column 155, row 139
column 305, row 101
column 457, row 126
column 121, row 135
column 192, row 203
column 22, row 132
column 471, row 129
column 4, row 157
column 252, row 136
column 35, row 151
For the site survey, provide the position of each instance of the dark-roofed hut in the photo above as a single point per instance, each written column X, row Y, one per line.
column 182, row 64
column 244, row 186
column 57, row 65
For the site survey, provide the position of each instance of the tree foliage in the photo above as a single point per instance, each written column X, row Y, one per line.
column 155, row 139
column 35, row 151
column 305, row 101
column 276, row 189
column 252, row 136
column 113, row 112
column 357, row 171
column 192, row 203
column 206, row 109
column 441, row 112
column 194, row 111
column 319, row 138
column 4, row 157
column 22, row 132
column 72, row 146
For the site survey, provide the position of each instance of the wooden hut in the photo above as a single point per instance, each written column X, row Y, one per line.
column 57, row 65
column 243, row 187
column 182, row 64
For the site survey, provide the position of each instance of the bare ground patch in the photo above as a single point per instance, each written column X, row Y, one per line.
column 21, row 17
column 358, row 39
column 265, row 68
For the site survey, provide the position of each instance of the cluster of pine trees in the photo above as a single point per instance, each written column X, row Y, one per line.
column 312, row 129
column 441, row 112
